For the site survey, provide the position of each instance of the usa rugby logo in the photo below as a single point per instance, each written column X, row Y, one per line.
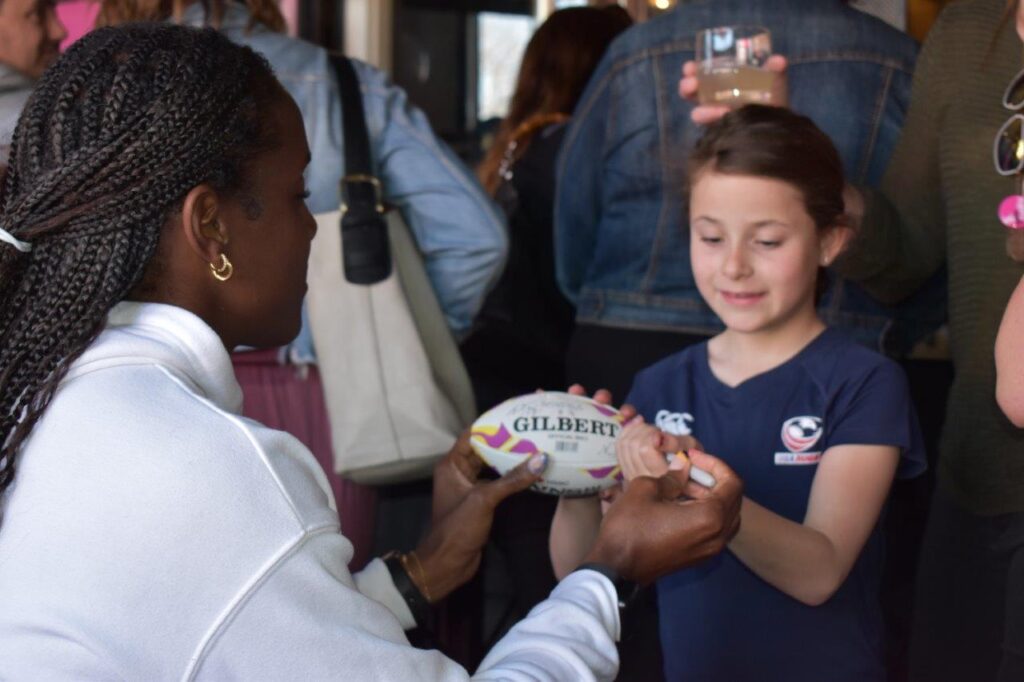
column 799, row 435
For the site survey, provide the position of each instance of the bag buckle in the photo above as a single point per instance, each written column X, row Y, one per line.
column 348, row 181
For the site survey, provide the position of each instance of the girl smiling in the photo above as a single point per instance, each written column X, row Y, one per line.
column 815, row 424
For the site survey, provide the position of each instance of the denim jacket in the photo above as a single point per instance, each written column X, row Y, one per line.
column 459, row 231
column 621, row 232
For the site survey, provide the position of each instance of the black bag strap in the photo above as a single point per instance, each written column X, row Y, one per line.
column 357, row 139
column 366, row 253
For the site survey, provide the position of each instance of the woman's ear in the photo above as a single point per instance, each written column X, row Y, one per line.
column 833, row 241
column 202, row 223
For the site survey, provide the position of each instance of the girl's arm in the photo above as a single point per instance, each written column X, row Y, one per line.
column 573, row 531
column 810, row 561
column 1010, row 359
column 578, row 520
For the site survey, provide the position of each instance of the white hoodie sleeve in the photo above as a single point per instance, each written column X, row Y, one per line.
column 300, row 621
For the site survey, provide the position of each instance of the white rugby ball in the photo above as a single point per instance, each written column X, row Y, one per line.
column 577, row 433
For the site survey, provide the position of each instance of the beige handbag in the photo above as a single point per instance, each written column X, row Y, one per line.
column 397, row 392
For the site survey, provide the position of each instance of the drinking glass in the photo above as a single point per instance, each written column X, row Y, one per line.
column 731, row 65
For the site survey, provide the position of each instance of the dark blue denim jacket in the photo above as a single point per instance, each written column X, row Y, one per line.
column 621, row 232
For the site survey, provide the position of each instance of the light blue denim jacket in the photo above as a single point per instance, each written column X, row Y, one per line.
column 459, row 231
column 621, row 227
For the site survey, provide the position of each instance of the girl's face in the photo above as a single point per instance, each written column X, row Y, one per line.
column 755, row 251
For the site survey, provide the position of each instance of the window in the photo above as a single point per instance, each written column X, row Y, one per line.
column 502, row 39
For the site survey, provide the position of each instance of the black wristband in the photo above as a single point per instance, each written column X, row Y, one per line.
column 414, row 599
column 625, row 590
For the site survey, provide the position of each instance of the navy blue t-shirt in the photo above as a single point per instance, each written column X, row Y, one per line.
column 720, row 621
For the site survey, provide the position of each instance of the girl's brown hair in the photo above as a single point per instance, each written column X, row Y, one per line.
column 113, row 12
column 556, row 66
column 776, row 143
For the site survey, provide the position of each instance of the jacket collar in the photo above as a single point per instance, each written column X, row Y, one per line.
column 169, row 337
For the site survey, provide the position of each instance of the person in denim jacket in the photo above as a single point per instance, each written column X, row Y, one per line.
column 458, row 229
column 621, row 244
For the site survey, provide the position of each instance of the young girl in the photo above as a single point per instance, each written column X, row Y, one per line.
column 815, row 424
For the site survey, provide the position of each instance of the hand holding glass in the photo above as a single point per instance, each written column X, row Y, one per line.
column 731, row 62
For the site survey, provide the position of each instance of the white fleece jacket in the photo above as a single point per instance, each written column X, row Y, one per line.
column 152, row 533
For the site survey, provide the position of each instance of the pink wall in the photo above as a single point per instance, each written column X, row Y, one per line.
column 78, row 17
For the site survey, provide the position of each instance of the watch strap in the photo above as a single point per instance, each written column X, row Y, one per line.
column 414, row 599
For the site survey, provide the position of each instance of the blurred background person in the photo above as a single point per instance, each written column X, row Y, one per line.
column 939, row 205
column 30, row 36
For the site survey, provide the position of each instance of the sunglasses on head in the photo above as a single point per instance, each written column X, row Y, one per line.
column 1008, row 147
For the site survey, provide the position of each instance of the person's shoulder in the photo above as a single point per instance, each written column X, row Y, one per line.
column 115, row 413
column 968, row 26
column 665, row 32
column 291, row 58
column 972, row 11
column 372, row 79
column 839, row 33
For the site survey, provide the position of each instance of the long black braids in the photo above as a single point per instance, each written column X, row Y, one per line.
column 113, row 137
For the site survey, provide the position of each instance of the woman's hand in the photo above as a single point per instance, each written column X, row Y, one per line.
column 641, row 449
column 660, row 525
column 703, row 114
column 463, row 510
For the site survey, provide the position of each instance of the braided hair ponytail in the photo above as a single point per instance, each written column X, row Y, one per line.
column 112, row 139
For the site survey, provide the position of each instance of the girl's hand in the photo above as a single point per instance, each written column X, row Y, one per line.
column 604, row 396
column 703, row 114
column 641, row 450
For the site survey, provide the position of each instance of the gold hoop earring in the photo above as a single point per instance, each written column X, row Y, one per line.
column 223, row 272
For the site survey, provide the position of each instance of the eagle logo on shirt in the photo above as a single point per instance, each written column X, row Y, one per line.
column 799, row 434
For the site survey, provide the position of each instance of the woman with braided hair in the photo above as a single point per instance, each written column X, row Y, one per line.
column 154, row 218
column 458, row 231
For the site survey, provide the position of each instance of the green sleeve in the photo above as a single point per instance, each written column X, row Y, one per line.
column 902, row 238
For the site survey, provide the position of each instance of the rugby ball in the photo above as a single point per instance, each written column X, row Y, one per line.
column 577, row 433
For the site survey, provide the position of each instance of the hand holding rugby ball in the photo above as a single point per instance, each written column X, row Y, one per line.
column 577, row 433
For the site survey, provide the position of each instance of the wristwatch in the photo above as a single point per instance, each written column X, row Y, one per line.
column 625, row 590
column 414, row 599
